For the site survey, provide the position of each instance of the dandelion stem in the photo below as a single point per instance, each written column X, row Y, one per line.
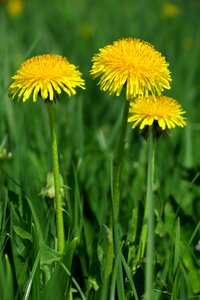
column 150, row 219
column 116, row 200
column 114, row 242
column 118, row 166
column 58, row 197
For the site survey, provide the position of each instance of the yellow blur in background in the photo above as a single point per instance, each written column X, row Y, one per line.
column 171, row 10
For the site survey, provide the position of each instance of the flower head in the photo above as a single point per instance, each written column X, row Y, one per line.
column 165, row 110
column 46, row 75
column 131, row 63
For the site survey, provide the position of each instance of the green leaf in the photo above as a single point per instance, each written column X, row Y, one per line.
column 177, row 246
column 128, row 273
column 22, row 233
column 35, row 218
column 192, row 269
column 30, row 280
column 58, row 285
column 48, row 255
column 35, row 292
column 8, row 295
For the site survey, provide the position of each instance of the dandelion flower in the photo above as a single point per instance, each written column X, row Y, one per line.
column 165, row 110
column 46, row 75
column 131, row 63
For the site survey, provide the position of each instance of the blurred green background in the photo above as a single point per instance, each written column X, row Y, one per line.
column 88, row 123
column 77, row 29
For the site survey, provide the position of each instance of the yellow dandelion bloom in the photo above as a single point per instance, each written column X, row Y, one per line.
column 165, row 110
column 46, row 75
column 131, row 63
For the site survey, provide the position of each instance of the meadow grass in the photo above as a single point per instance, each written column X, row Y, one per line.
column 88, row 126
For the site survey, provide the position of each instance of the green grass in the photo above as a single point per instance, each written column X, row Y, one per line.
column 88, row 126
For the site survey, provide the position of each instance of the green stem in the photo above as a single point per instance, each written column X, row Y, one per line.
column 113, row 240
column 116, row 200
column 149, row 272
column 118, row 166
column 58, row 197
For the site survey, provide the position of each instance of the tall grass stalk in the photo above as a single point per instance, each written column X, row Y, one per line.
column 58, row 197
